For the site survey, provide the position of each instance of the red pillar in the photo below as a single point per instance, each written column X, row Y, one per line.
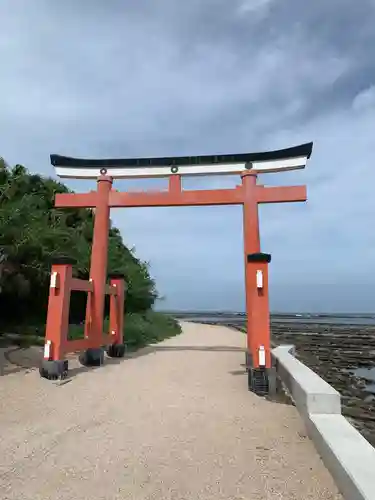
column 116, row 310
column 259, row 321
column 251, row 243
column 98, row 266
column 58, row 309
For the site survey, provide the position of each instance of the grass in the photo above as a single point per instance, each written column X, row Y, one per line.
column 140, row 329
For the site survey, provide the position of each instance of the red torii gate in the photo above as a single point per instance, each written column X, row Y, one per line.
column 249, row 194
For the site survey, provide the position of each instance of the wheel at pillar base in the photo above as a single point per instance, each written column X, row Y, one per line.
column 258, row 381
column 116, row 350
column 92, row 357
column 54, row 370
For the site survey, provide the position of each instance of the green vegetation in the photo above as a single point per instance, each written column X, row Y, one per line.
column 33, row 232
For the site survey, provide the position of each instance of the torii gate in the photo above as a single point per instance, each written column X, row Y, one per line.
column 249, row 194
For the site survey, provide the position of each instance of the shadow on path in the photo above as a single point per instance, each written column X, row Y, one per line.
column 15, row 359
column 10, row 362
column 18, row 359
column 153, row 349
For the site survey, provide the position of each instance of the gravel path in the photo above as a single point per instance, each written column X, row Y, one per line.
column 174, row 422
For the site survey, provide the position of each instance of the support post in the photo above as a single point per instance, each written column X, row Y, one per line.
column 259, row 323
column 117, row 348
column 58, row 308
column 53, row 364
column 98, row 265
column 116, row 310
column 251, row 245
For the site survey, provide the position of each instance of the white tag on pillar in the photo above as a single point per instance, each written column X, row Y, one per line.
column 259, row 279
column 262, row 356
column 47, row 350
column 53, row 282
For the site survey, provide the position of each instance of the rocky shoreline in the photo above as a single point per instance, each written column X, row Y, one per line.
column 343, row 355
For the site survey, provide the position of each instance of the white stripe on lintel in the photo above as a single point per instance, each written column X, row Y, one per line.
column 213, row 169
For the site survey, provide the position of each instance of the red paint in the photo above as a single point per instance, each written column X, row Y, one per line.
column 116, row 311
column 58, row 310
column 175, row 184
column 249, row 194
column 281, row 194
column 57, row 325
column 98, row 265
column 251, row 245
column 258, row 322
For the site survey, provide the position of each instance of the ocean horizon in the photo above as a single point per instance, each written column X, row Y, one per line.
column 240, row 316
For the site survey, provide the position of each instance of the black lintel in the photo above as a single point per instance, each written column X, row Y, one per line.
column 63, row 260
column 259, row 257
column 168, row 161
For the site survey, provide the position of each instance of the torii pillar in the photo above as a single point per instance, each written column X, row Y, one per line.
column 251, row 239
column 99, row 258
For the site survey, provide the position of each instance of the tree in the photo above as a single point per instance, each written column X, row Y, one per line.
column 32, row 232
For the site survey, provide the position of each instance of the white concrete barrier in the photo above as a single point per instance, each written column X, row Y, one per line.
column 345, row 452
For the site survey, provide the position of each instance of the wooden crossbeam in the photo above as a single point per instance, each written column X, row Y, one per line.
column 81, row 285
column 77, row 200
column 175, row 197
column 281, row 194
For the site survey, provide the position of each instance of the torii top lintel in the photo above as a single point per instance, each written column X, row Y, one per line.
column 248, row 191
column 271, row 161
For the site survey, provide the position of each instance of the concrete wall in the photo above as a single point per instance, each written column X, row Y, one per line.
column 345, row 452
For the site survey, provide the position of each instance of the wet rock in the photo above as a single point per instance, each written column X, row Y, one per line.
column 335, row 352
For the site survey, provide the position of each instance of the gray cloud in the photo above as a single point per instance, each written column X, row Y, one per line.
column 125, row 78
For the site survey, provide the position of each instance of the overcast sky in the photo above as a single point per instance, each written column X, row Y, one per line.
column 128, row 78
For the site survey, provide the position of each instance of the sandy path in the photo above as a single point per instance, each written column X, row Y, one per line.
column 177, row 423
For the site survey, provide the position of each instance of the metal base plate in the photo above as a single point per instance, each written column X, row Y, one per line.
column 116, row 350
column 92, row 357
column 258, row 381
column 53, row 370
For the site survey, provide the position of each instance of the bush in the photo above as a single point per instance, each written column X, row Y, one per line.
column 148, row 328
column 32, row 233
column 140, row 329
